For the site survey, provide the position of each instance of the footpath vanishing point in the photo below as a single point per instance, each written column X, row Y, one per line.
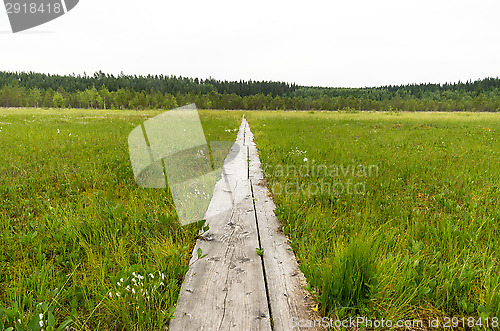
column 233, row 287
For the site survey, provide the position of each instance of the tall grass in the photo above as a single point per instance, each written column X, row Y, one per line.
column 345, row 281
column 80, row 243
column 420, row 236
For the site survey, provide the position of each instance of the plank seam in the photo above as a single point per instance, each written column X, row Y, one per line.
column 262, row 260
column 225, row 297
column 286, row 295
column 268, row 297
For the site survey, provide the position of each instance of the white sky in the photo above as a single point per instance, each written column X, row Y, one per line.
column 349, row 43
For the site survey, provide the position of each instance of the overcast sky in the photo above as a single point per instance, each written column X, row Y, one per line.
column 349, row 43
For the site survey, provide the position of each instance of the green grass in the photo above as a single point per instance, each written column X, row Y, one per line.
column 77, row 234
column 391, row 215
column 412, row 232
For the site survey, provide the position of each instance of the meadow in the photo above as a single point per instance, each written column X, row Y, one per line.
column 81, row 245
column 391, row 215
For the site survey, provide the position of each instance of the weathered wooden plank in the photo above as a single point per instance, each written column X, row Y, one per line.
column 288, row 299
column 226, row 289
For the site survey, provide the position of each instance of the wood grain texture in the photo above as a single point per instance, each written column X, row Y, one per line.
column 226, row 289
column 233, row 287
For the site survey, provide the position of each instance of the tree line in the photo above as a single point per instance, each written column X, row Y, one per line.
column 158, row 83
column 167, row 92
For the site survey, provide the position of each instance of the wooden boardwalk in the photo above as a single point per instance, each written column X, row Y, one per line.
column 234, row 288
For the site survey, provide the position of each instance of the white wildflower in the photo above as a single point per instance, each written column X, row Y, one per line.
column 40, row 316
column 40, row 323
column 117, row 294
column 305, row 159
